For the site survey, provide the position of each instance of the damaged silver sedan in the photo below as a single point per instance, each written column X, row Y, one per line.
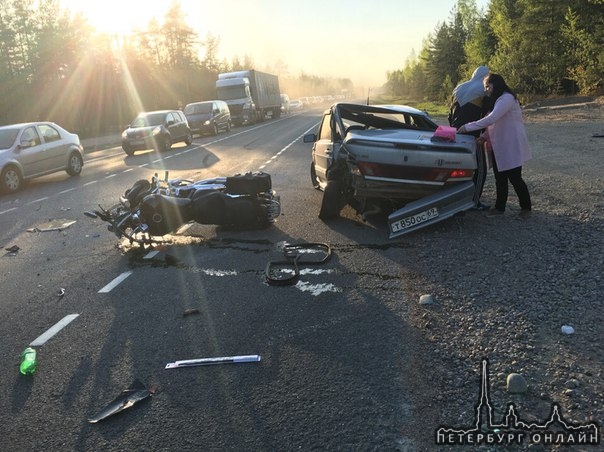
column 386, row 158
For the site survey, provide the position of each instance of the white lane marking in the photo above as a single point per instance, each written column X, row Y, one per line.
column 90, row 183
column 68, row 190
column 151, row 254
column 37, row 200
column 8, row 210
column 316, row 289
column 109, row 287
column 42, row 339
column 274, row 157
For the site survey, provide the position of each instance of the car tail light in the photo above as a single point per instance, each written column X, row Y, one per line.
column 370, row 169
column 461, row 173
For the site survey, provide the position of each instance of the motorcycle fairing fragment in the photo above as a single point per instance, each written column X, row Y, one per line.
column 135, row 393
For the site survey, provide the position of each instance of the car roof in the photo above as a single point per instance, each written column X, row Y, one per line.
column 26, row 124
column 155, row 112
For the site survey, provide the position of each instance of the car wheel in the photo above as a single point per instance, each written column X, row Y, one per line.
column 127, row 149
column 228, row 127
column 214, row 129
column 313, row 176
column 332, row 202
column 189, row 138
column 75, row 164
column 11, row 179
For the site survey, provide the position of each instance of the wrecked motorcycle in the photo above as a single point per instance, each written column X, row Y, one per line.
column 155, row 208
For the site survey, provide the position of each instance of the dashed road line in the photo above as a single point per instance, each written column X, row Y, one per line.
column 113, row 284
column 43, row 338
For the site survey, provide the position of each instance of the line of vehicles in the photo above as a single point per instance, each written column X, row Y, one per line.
column 242, row 97
column 382, row 157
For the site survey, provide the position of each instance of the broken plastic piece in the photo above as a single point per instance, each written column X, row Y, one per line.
column 55, row 225
column 61, row 292
column 12, row 249
column 303, row 250
column 282, row 273
column 287, row 273
column 135, row 393
column 210, row 361
column 190, row 312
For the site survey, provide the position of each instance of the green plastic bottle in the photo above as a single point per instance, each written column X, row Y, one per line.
column 28, row 361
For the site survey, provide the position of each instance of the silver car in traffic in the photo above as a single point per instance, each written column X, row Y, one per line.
column 35, row 149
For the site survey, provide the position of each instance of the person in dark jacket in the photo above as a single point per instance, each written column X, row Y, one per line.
column 469, row 103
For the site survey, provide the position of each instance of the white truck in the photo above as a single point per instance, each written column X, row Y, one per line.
column 251, row 95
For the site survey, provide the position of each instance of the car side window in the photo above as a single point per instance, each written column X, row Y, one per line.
column 170, row 118
column 325, row 131
column 49, row 133
column 31, row 137
column 179, row 116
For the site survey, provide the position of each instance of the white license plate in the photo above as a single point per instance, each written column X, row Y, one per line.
column 414, row 220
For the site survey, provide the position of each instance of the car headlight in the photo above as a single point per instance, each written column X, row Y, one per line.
column 207, row 123
column 124, row 135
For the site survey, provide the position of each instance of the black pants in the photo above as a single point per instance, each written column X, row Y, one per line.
column 514, row 176
column 480, row 175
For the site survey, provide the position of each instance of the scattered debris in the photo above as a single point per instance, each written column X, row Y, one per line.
column 61, row 292
column 210, row 361
column 516, row 384
column 598, row 135
column 567, row 329
column 12, row 250
column 55, row 225
column 135, row 393
column 287, row 272
column 427, row 299
column 190, row 312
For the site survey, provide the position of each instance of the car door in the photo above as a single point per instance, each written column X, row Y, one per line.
column 172, row 125
column 56, row 147
column 32, row 152
column 326, row 147
column 181, row 120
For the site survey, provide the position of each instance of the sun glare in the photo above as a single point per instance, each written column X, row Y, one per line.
column 117, row 17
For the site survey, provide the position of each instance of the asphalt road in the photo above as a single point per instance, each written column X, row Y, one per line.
column 332, row 373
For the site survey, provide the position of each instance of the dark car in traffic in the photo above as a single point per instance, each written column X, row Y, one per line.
column 156, row 130
column 208, row 117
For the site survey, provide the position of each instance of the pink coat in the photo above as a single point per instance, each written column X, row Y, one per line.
column 506, row 133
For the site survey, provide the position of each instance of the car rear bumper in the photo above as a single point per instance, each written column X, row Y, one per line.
column 419, row 214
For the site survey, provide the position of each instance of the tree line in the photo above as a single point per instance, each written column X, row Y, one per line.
column 541, row 47
column 54, row 66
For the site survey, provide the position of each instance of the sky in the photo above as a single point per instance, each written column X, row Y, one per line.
column 361, row 40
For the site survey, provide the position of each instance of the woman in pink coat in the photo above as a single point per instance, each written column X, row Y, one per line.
column 507, row 138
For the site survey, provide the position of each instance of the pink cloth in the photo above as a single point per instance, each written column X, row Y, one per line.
column 446, row 133
column 507, row 134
